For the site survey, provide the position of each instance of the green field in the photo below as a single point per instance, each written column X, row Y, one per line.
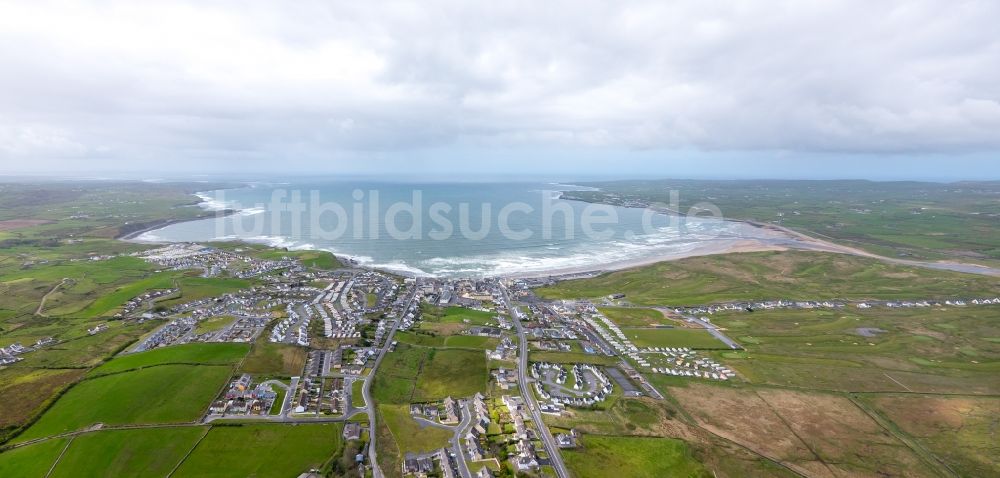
column 603, row 456
column 213, row 324
column 456, row 315
column 87, row 350
column 570, row 357
column 451, row 372
column 396, row 377
column 692, row 338
column 471, row 342
column 128, row 453
column 933, row 351
column 262, row 451
column 420, row 339
column 357, row 398
column 272, row 359
column 409, row 435
column 163, row 394
column 32, row 461
column 196, row 353
column 774, row 275
column 634, row 316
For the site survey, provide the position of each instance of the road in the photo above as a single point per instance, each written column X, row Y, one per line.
column 555, row 458
column 456, row 441
column 366, row 390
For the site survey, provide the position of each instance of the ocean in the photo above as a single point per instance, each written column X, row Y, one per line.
column 455, row 229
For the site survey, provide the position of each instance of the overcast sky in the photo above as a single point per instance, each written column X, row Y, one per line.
column 876, row 89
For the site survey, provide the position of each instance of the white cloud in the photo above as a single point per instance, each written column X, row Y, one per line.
column 252, row 80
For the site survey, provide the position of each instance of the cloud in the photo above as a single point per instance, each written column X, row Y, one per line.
column 116, row 82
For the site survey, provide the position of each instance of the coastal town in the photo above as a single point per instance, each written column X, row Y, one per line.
column 547, row 358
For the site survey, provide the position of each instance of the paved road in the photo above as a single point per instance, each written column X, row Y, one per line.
column 555, row 458
column 456, row 441
column 366, row 390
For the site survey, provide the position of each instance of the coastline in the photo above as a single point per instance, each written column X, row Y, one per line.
column 131, row 237
column 731, row 247
column 784, row 239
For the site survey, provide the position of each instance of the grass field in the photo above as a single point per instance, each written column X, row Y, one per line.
column 960, row 431
column 357, row 398
column 262, row 451
column 634, row 316
column 196, row 353
column 471, row 342
column 163, row 394
column 456, row 315
column 454, row 372
column 789, row 275
column 570, row 357
column 421, row 339
column 272, row 359
column 935, row 351
column 396, row 377
column 693, row 338
column 127, row 453
column 602, row 456
column 213, row 324
column 87, row 350
column 32, row 461
column 409, row 435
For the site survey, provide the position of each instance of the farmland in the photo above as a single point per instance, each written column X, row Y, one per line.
column 198, row 353
column 602, row 456
column 262, row 451
column 122, row 453
column 161, row 394
column 634, row 316
column 31, row 461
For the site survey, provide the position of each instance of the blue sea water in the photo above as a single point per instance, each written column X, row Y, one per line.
column 374, row 224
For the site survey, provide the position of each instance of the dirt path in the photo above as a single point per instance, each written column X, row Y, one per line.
column 41, row 305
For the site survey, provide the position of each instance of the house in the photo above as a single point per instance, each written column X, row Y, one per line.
column 565, row 440
column 476, row 452
column 352, row 431
column 484, row 472
column 450, row 410
column 242, row 383
column 418, row 466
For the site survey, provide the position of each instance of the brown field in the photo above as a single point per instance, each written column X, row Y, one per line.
column 24, row 391
column 661, row 418
column 11, row 224
column 815, row 434
column 962, row 432
column 843, row 436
